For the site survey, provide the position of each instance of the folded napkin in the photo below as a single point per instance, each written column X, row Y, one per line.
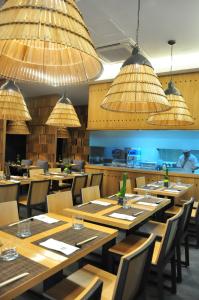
column 122, row 216
column 98, row 202
column 172, row 191
column 46, row 219
column 129, row 195
column 138, row 197
column 180, row 187
column 59, row 246
column 15, row 181
column 147, row 203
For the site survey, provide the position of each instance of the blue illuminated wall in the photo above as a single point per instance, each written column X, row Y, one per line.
column 149, row 141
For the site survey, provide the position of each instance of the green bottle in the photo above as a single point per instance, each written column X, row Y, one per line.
column 166, row 178
column 122, row 191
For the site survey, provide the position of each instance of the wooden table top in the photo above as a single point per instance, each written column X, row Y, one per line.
column 174, row 190
column 26, row 180
column 51, row 260
column 102, row 216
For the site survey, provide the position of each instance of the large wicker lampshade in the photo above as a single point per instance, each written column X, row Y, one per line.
column 46, row 41
column 178, row 115
column 63, row 133
column 17, row 127
column 136, row 88
column 63, row 114
column 12, row 104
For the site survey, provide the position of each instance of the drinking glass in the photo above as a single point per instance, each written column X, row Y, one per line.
column 8, row 252
column 23, row 229
column 25, row 175
column 126, row 203
column 78, row 222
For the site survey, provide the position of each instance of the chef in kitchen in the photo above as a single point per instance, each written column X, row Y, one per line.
column 187, row 161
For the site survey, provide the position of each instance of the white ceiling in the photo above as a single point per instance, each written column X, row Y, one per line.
column 111, row 21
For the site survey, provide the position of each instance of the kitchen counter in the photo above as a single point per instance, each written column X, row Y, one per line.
column 112, row 176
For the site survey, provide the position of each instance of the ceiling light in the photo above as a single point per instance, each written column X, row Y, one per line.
column 12, row 103
column 136, row 88
column 17, row 127
column 179, row 114
column 63, row 114
column 46, row 42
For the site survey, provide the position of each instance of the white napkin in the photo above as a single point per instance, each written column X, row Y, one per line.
column 59, row 246
column 46, row 219
column 15, row 181
column 172, row 191
column 122, row 216
column 103, row 203
column 153, row 185
column 139, row 197
column 129, row 195
column 180, row 187
column 147, row 203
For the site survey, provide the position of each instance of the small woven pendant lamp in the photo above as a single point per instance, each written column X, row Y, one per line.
column 46, row 41
column 17, row 127
column 63, row 133
column 63, row 114
column 179, row 114
column 12, row 104
column 136, row 88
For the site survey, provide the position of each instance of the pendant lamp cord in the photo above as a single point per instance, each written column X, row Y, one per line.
column 138, row 23
column 171, row 69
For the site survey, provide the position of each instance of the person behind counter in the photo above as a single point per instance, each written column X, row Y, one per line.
column 187, row 161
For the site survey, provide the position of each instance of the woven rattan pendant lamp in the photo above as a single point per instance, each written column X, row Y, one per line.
column 63, row 133
column 46, row 41
column 63, row 114
column 136, row 88
column 12, row 104
column 17, row 127
column 179, row 114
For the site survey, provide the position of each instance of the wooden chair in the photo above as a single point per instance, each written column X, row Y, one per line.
column 127, row 285
column 43, row 164
column 90, row 193
column 96, row 179
column 75, row 291
column 58, row 201
column 7, row 170
column 140, row 181
column 159, row 230
column 193, row 227
column 37, row 195
column 129, row 189
column 8, row 213
column 35, row 172
column 79, row 182
column 9, row 192
column 164, row 251
column 26, row 162
column 1, row 173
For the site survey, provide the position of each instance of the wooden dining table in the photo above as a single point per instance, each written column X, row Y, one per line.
column 96, row 213
column 42, row 263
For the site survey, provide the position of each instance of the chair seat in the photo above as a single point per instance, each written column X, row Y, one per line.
column 23, row 200
column 130, row 243
column 173, row 210
column 71, row 287
column 193, row 213
column 157, row 228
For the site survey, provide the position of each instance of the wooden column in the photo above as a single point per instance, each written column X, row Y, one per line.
column 2, row 143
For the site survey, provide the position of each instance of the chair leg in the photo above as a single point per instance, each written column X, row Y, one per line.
column 186, row 241
column 29, row 212
column 179, row 267
column 173, row 275
column 160, row 285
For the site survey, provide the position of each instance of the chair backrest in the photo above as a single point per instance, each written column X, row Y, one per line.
column 171, row 234
column 92, row 291
column 90, row 193
column 196, row 208
column 96, row 179
column 9, row 192
column 133, row 270
column 8, row 213
column 140, row 181
column 26, row 162
column 37, row 193
column 1, row 173
column 186, row 216
column 79, row 182
column 43, row 164
column 129, row 189
column 79, row 165
column 34, row 172
column 57, row 170
column 58, row 201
